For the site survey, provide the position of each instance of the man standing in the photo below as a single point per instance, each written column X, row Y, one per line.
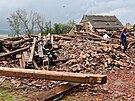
column 123, row 39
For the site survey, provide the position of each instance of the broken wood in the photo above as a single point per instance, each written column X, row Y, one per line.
column 32, row 51
column 40, row 47
column 23, row 60
column 54, row 75
column 63, row 37
column 52, row 93
column 110, row 45
column 35, row 64
column 5, row 49
column 13, row 38
column 21, row 41
column 95, row 35
column 18, row 56
column 14, row 52
column 131, row 44
column 84, row 37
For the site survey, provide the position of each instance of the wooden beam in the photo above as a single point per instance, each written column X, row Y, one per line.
column 21, row 41
column 63, row 37
column 23, row 59
column 14, row 52
column 110, row 45
column 52, row 39
column 32, row 51
column 52, row 93
column 95, row 35
column 5, row 49
column 35, row 64
column 54, row 75
column 18, row 56
column 40, row 47
column 13, row 39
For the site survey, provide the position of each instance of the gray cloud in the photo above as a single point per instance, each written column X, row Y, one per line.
column 61, row 11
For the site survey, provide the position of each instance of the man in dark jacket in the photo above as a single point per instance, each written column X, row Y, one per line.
column 49, row 52
column 123, row 39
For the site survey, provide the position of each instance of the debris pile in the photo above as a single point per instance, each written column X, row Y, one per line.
column 98, row 56
column 21, row 52
column 85, row 53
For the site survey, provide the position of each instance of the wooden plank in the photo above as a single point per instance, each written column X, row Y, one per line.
column 13, row 38
column 62, row 37
column 98, row 36
column 83, row 36
column 23, row 60
column 14, row 52
column 21, row 64
column 5, row 49
column 54, row 75
column 32, row 51
column 40, row 47
column 35, row 64
column 52, row 39
column 52, row 93
column 21, row 41
column 110, row 45
column 18, row 56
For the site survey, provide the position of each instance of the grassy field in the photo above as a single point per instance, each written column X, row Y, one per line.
column 9, row 93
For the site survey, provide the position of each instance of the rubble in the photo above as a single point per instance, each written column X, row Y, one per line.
column 86, row 53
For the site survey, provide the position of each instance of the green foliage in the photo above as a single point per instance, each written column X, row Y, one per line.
column 58, row 28
column 72, row 23
column 134, row 27
column 48, row 28
column 62, row 28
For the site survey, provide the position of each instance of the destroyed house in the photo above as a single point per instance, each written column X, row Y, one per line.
column 101, row 23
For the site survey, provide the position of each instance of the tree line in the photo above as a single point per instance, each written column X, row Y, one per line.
column 22, row 22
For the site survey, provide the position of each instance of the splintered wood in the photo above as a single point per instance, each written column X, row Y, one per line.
column 25, row 48
column 32, row 51
column 14, row 52
column 53, row 93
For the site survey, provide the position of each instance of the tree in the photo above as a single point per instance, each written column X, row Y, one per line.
column 56, row 28
column 14, row 23
column 28, row 22
column 71, row 23
column 41, row 25
column 63, row 28
column 21, row 21
column 134, row 27
column 48, row 27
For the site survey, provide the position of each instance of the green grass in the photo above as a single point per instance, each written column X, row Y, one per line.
column 6, row 95
column 9, row 93
column 74, row 98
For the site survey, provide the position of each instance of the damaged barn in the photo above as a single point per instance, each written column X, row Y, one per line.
column 98, row 23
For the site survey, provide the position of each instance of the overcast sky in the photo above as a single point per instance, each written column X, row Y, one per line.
column 62, row 11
